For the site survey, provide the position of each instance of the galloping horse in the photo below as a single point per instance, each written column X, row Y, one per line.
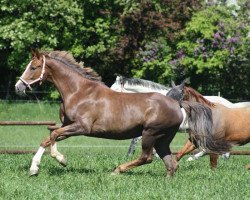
column 229, row 124
column 92, row 109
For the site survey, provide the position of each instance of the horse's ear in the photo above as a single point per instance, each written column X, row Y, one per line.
column 173, row 84
column 32, row 52
column 35, row 53
column 183, row 83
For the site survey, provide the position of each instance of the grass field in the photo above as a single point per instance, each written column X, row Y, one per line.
column 91, row 161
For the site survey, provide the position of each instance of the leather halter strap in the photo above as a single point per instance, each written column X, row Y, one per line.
column 28, row 84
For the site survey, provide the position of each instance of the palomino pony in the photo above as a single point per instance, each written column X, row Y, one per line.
column 229, row 124
column 92, row 109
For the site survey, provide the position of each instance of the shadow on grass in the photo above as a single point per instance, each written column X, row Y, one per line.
column 140, row 173
column 57, row 171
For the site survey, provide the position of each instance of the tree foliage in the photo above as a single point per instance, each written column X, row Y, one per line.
column 214, row 51
column 156, row 40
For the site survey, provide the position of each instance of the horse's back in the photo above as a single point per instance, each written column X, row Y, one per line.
column 242, row 105
column 233, row 122
column 220, row 100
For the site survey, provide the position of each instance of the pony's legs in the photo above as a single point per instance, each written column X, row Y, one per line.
column 225, row 155
column 248, row 166
column 133, row 143
column 196, row 156
column 213, row 160
column 187, row 148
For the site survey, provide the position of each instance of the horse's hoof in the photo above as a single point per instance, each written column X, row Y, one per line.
column 115, row 172
column 33, row 172
column 170, row 174
column 248, row 166
column 191, row 158
column 63, row 162
column 61, row 159
column 225, row 156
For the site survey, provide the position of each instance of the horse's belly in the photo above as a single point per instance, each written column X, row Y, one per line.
column 117, row 134
column 238, row 131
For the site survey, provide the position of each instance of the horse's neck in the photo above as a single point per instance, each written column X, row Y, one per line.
column 67, row 81
column 200, row 99
column 242, row 105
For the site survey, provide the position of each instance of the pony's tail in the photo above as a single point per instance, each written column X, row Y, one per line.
column 202, row 133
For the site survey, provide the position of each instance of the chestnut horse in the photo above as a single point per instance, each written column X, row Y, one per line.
column 92, row 109
column 229, row 124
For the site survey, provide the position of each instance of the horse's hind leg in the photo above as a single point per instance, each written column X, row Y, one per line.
column 146, row 155
column 145, row 158
column 162, row 148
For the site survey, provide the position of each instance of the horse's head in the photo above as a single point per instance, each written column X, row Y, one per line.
column 34, row 73
column 177, row 91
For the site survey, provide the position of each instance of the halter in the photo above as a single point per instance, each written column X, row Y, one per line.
column 36, row 80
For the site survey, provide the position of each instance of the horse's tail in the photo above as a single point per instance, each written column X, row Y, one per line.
column 202, row 132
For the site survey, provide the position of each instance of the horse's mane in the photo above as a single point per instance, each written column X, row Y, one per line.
column 68, row 59
column 198, row 97
column 141, row 82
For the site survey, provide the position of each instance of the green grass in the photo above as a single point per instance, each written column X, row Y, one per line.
column 91, row 161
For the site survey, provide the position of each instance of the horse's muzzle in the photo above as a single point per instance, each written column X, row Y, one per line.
column 20, row 88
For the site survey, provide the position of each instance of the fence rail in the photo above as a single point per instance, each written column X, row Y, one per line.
column 17, row 123
column 52, row 126
column 234, row 152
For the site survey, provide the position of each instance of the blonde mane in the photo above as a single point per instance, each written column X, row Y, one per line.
column 190, row 93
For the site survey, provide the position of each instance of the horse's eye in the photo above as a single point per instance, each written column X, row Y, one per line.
column 32, row 68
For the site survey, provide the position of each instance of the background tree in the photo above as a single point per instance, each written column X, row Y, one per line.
column 214, row 52
column 156, row 40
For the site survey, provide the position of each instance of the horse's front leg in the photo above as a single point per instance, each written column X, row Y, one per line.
column 56, row 135
column 187, row 148
column 61, row 134
column 36, row 160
